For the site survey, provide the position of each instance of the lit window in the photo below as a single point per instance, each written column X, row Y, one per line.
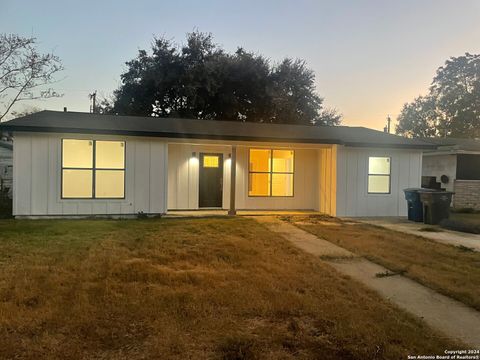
column 270, row 172
column 93, row 169
column 210, row 161
column 379, row 175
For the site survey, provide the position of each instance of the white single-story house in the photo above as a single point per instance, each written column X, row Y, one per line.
column 81, row 164
column 454, row 166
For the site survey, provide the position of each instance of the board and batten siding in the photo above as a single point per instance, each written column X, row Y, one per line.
column 327, row 180
column 183, row 169
column 37, row 177
column 353, row 198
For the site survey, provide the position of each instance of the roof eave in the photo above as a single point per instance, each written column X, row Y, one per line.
column 16, row 128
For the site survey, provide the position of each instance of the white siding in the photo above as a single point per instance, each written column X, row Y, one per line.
column 327, row 180
column 183, row 174
column 183, row 179
column 37, row 178
column 352, row 171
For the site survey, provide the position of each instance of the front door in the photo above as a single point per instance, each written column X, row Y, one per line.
column 210, row 181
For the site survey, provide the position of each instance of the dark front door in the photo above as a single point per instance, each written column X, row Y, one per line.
column 210, row 180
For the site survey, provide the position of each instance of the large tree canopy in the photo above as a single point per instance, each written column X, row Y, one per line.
column 452, row 107
column 201, row 80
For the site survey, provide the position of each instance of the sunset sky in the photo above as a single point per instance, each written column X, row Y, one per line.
column 370, row 57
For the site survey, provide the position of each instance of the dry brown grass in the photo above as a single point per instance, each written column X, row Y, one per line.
column 186, row 289
column 448, row 269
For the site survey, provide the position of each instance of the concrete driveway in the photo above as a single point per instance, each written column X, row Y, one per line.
column 401, row 224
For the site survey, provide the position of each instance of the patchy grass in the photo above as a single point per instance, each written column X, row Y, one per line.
column 450, row 270
column 218, row 288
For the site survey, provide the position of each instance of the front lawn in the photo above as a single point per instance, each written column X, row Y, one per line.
column 453, row 271
column 223, row 288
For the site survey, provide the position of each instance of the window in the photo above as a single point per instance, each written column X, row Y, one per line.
column 93, row 169
column 378, row 175
column 270, row 172
column 210, row 161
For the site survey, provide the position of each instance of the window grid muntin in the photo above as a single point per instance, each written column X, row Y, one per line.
column 271, row 172
column 94, row 169
column 389, row 175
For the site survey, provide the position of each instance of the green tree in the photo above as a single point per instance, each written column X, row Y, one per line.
column 200, row 80
column 421, row 118
column 456, row 88
column 452, row 107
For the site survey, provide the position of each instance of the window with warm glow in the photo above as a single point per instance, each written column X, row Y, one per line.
column 379, row 175
column 210, row 161
column 93, row 169
column 270, row 172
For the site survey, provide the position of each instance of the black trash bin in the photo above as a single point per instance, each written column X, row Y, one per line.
column 436, row 206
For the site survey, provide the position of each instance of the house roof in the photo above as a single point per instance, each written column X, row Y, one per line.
column 76, row 122
column 455, row 145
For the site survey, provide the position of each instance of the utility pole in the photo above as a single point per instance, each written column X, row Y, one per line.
column 93, row 98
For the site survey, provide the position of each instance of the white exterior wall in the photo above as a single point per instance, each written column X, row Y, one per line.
column 37, row 177
column 352, row 171
column 183, row 179
column 327, row 181
column 438, row 165
column 304, row 183
column 183, row 174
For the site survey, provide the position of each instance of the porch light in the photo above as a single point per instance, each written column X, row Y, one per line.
column 194, row 154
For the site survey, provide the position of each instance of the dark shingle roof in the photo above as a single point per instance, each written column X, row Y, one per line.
column 75, row 122
column 455, row 144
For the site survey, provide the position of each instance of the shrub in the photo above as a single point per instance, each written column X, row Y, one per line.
column 5, row 205
column 462, row 226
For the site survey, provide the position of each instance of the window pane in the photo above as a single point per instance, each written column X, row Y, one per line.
column 110, row 154
column 210, row 161
column 109, row 184
column 283, row 161
column 259, row 185
column 378, row 184
column 77, row 183
column 77, row 153
column 379, row 165
column 282, row 184
column 259, row 160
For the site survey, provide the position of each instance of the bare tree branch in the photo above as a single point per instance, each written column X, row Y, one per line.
column 24, row 71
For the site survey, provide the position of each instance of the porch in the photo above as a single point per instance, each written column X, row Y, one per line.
column 267, row 177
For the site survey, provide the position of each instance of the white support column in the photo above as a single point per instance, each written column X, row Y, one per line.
column 233, row 181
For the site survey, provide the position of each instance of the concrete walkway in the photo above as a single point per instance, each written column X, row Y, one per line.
column 449, row 316
column 401, row 224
